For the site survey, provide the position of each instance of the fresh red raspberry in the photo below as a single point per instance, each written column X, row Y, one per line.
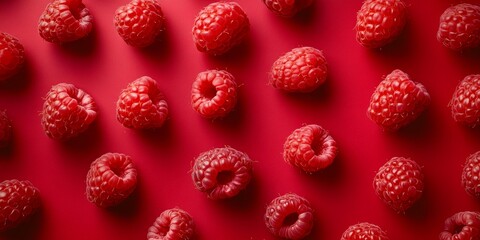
column 310, row 148
column 302, row 69
column 287, row 8
column 12, row 56
column 471, row 175
column 399, row 183
column 111, row 179
column 139, row 22
column 18, row 201
column 222, row 172
column 141, row 105
column 289, row 216
column 364, row 231
column 172, row 224
column 462, row 226
column 459, row 27
column 67, row 111
column 219, row 27
column 397, row 101
column 65, row 21
column 465, row 103
column 379, row 22
column 5, row 130
column 214, row 93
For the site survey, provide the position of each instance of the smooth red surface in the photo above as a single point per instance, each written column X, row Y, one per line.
column 342, row 195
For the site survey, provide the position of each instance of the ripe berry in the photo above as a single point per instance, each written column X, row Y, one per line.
column 219, row 27
column 65, row 21
column 222, row 172
column 12, row 56
column 471, row 175
column 287, row 8
column 399, row 183
column 465, row 103
column 459, row 27
column 172, row 224
column 141, row 105
column 111, row 179
column 139, row 22
column 364, row 231
column 67, row 111
column 214, row 93
column 397, row 101
column 289, row 216
column 5, row 130
column 379, row 22
column 310, row 148
column 18, row 201
column 302, row 69
column 462, row 226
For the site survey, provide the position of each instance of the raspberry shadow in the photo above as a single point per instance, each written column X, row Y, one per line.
column 82, row 48
column 20, row 81
column 27, row 230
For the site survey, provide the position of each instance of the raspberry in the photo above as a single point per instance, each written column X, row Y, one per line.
column 67, row 111
column 459, row 27
column 222, row 172
column 19, row 200
column 310, row 148
column 5, row 130
column 111, row 179
column 172, row 224
column 364, row 231
column 397, row 101
column 302, row 69
column 287, row 8
column 141, row 105
column 465, row 103
column 214, row 93
column 219, row 27
column 289, row 216
column 65, row 21
column 462, row 226
column 471, row 175
column 139, row 22
column 12, row 56
column 399, row 183
column 379, row 22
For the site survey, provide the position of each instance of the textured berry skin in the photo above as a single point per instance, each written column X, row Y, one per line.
column 12, row 56
column 219, row 27
column 471, row 175
column 139, row 22
column 141, row 105
column 287, row 8
column 462, row 226
column 222, row 172
column 172, row 224
column 364, row 231
column 379, row 22
column 465, row 103
column 302, row 69
column 397, row 101
column 214, row 93
column 310, row 148
column 67, row 111
column 111, row 179
column 459, row 27
column 5, row 130
column 18, row 201
column 289, row 216
column 65, row 21
column 399, row 183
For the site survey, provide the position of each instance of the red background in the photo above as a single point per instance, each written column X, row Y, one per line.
column 342, row 195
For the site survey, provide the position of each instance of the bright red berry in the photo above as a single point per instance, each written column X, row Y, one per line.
column 67, row 111
column 465, row 103
column 12, row 56
column 287, row 8
column 141, row 105
column 397, row 101
column 18, row 201
column 471, row 175
column 289, row 216
column 214, row 93
column 302, row 69
column 65, row 21
column 219, row 27
column 111, row 179
column 310, row 148
column 379, row 22
column 459, row 27
column 462, row 226
column 5, row 130
column 364, row 231
column 399, row 183
column 172, row 224
column 222, row 172
column 139, row 22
